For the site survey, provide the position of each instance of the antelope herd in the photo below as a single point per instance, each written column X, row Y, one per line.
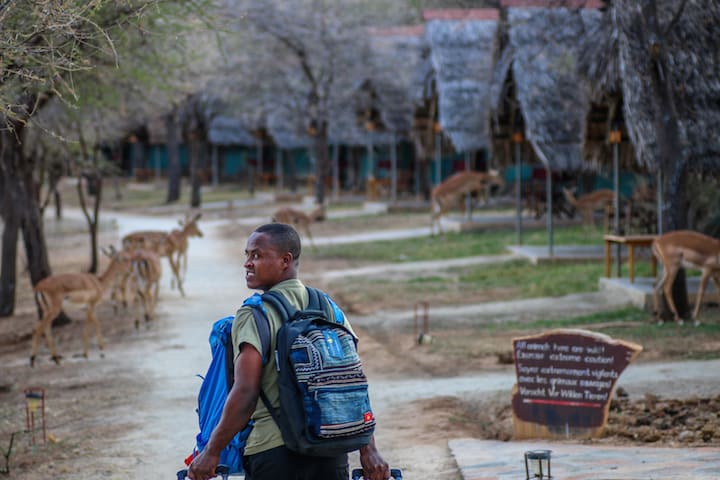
column 133, row 276
column 134, row 272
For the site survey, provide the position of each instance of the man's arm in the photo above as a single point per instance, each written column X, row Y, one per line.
column 239, row 406
column 373, row 465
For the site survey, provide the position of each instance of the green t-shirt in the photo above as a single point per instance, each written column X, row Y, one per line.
column 265, row 433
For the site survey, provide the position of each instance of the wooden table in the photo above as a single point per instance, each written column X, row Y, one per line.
column 631, row 241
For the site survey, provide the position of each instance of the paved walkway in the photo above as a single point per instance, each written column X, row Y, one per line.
column 485, row 460
column 422, row 266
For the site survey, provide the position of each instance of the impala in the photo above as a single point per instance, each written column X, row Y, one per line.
column 589, row 203
column 451, row 191
column 685, row 248
column 80, row 288
column 144, row 282
column 300, row 219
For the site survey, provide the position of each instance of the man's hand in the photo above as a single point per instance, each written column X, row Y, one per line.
column 203, row 466
column 373, row 465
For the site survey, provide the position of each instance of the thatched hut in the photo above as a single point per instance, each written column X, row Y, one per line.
column 536, row 87
column 462, row 45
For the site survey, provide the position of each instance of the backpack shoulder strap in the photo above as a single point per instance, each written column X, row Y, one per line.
column 229, row 361
column 263, row 327
column 281, row 304
column 319, row 301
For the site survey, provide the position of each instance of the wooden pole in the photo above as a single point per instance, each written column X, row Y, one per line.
column 393, row 168
column 548, row 209
column 279, row 170
column 438, row 158
column 517, row 138
column 659, row 193
column 214, row 161
column 468, row 195
column 616, row 195
column 336, row 171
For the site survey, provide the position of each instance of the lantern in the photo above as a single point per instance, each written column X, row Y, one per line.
column 537, row 464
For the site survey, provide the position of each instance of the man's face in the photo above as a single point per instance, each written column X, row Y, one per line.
column 264, row 265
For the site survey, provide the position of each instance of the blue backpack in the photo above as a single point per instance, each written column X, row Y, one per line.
column 324, row 404
column 214, row 389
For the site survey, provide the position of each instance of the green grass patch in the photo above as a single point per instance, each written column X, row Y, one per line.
column 455, row 245
column 545, row 280
column 668, row 341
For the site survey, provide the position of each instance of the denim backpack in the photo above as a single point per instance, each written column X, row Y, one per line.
column 324, row 404
column 214, row 389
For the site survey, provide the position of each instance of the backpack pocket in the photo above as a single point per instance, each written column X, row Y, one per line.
column 334, row 411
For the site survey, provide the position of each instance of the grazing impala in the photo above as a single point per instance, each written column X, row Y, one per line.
column 175, row 248
column 79, row 288
column 300, row 219
column 677, row 249
column 451, row 191
column 173, row 245
column 589, row 203
column 144, row 282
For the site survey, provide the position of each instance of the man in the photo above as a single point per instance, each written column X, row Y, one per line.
column 272, row 260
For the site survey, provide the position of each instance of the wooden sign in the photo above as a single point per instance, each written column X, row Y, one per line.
column 565, row 379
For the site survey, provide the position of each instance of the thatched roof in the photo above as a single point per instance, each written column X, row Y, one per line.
column 229, row 131
column 157, row 130
column 543, row 54
column 693, row 66
column 396, row 56
column 288, row 130
column 462, row 44
column 599, row 60
column 343, row 128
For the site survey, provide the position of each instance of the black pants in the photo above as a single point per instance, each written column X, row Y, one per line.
column 282, row 464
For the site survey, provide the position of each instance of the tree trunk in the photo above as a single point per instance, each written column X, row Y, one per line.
column 8, row 274
column 11, row 227
column 198, row 149
column 93, row 223
column 173, row 149
column 669, row 151
column 58, row 204
column 322, row 162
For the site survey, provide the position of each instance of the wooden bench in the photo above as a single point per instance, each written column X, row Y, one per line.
column 631, row 241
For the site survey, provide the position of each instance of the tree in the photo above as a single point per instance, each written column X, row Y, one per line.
column 47, row 48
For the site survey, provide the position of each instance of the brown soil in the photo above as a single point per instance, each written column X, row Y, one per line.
column 88, row 407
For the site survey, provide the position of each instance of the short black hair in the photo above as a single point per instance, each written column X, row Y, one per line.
column 284, row 237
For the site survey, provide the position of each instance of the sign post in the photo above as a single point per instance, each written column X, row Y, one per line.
column 565, row 379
